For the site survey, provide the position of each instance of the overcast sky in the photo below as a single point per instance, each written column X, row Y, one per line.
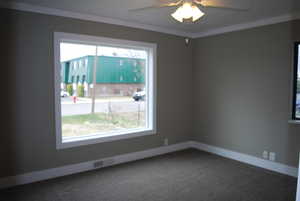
column 71, row 51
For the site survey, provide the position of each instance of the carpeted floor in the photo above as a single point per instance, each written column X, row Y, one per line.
column 189, row 175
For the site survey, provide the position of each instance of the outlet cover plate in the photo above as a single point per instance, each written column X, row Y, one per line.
column 166, row 141
column 272, row 156
column 265, row 155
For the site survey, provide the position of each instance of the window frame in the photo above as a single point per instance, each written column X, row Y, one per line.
column 151, row 49
column 295, row 79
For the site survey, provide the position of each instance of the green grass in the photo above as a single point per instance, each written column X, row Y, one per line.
column 78, row 125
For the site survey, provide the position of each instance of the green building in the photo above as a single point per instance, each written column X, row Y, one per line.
column 114, row 75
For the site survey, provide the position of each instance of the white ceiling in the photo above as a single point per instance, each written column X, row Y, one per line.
column 214, row 18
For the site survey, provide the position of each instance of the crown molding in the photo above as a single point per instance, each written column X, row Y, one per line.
column 249, row 25
column 94, row 18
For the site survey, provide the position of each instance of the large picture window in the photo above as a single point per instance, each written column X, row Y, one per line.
column 296, row 83
column 104, row 89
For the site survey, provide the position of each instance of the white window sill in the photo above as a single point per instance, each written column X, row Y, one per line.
column 294, row 121
column 103, row 137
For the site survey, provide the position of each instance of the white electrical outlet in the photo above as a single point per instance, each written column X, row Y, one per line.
column 265, row 155
column 166, row 141
column 272, row 156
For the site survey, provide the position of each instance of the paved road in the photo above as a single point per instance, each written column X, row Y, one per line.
column 85, row 108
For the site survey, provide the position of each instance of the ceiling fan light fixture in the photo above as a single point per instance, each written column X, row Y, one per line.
column 187, row 11
column 197, row 13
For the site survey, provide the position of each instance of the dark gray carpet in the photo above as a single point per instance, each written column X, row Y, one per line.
column 187, row 175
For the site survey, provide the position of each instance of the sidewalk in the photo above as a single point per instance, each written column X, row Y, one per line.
column 69, row 100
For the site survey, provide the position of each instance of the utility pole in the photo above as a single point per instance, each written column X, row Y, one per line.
column 94, row 80
column 139, row 113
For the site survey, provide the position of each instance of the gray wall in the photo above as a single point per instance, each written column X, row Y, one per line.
column 230, row 90
column 27, row 96
column 242, row 91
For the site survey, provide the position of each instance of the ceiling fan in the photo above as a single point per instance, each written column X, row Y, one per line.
column 189, row 10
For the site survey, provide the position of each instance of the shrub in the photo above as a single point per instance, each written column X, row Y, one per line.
column 70, row 89
column 80, row 91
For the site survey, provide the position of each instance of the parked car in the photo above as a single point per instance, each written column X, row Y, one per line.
column 139, row 95
column 64, row 94
column 297, row 104
column 297, row 108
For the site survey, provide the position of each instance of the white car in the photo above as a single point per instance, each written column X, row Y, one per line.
column 139, row 95
column 64, row 94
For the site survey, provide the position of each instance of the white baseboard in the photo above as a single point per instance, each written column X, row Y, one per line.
column 252, row 160
column 86, row 166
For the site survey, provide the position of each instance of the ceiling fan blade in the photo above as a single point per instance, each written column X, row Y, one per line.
column 148, row 8
column 157, row 6
column 228, row 8
column 222, row 4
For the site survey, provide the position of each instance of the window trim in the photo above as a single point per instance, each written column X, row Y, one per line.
column 295, row 79
column 151, row 48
